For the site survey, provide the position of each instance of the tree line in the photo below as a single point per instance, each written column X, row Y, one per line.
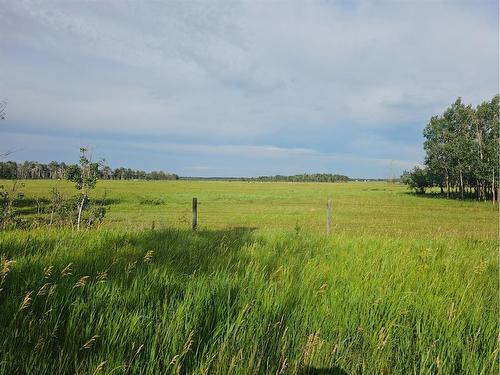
column 313, row 177
column 30, row 170
column 462, row 152
column 58, row 210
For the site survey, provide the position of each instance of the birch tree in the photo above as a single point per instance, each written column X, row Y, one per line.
column 84, row 176
column 462, row 151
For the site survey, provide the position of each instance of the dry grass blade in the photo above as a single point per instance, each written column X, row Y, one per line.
column 100, row 367
column 90, row 342
column 322, row 288
column 283, row 367
column 139, row 349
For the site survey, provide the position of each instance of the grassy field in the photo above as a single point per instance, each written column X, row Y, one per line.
column 405, row 284
column 359, row 208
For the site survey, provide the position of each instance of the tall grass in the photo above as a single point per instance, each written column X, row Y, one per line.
column 240, row 302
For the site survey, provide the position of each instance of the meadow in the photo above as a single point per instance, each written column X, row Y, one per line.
column 405, row 284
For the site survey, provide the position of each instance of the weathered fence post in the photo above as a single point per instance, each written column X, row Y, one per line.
column 195, row 213
column 328, row 215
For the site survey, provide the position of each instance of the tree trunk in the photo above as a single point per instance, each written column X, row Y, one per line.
column 493, row 187
column 447, row 186
column 80, row 209
column 461, row 185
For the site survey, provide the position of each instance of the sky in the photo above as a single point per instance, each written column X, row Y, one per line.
column 243, row 88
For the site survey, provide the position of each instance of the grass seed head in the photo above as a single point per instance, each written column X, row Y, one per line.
column 82, row 282
column 44, row 289
column 47, row 272
column 438, row 362
column 101, row 277
column 383, row 337
column 189, row 343
column 130, row 266
column 174, row 360
column 481, row 267
column 5, row 267
column 26, row 301
column 312, row 341
column 52, row 289
column 67, row 271
column 148, row 256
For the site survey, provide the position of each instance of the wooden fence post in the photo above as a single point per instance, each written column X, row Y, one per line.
column 195, row 213
column 328, row 215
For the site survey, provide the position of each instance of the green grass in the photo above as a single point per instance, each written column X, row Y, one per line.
column 358, row 207
column 404, row 285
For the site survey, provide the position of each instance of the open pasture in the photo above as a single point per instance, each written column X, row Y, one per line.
column 404, row 285
column 372, row 208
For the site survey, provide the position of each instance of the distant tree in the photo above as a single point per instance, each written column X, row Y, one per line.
column 417, row 179
column 314, row 177
column 56, row 170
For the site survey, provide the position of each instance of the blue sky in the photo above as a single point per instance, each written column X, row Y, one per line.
column 240, row 88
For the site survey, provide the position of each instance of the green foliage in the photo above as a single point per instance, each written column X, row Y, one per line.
column 5, row 203
column 462, row 150
column 96, row 214
column 8, row 215
column 85, row 174
column 417, row 180
column 85, row 177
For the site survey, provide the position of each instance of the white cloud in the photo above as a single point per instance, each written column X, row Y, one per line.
column 290, row 74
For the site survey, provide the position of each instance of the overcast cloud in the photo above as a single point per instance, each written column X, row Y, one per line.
column 240, row 88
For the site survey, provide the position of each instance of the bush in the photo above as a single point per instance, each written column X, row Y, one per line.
column 417, row 180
